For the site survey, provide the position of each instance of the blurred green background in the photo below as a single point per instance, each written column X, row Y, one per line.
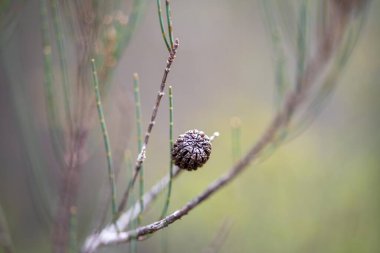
column 317, row 193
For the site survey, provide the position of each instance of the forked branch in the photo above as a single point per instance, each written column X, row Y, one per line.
column 141, row 157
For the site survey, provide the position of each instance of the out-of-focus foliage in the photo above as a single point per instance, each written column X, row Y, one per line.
column 315, row 194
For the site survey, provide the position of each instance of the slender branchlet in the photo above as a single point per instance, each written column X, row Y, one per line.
column 73, row 247
column 162, row 25
column 142, row 155
column 171, row 141
column 281, row 84
column 107, row 145
column 301, row 38
column 57, row 22
column 235, row 138
column 220, row 238
column 129, row 173
column 49, row 80
column 139, row 132
column 170, row 23
column 6, row 244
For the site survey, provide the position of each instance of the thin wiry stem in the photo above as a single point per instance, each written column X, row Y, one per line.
column 57, row 22
column 301, row 38
column 235, row 138
column 49, row 81
column 220, row 238
column 141, row 157
column 139, row 132
column 129, row 173
column 162, row 25
column 170, row 23
column 107, row 146
column 6, row 244
column 171, row 141
column 73, row 247
column 271, row 23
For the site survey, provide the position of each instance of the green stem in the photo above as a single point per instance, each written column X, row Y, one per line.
column 73, row 230
column 111, row 171
column 301, row 40
column 48, row 82
column 235, row 138
column 139, row 133
column 170, row 23
column 162, row 25
column 171, row 141
column 281, row 80
column 6, row 244
column 129, row 173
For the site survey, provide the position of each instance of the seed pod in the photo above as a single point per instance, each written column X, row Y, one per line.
column 191, row 150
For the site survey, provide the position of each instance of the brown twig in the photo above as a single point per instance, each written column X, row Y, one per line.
column 93, row 241
column 141, row 157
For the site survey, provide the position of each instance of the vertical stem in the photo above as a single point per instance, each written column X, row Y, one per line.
column 162, row 25
column 141, row 157
column 48, row 81
column 235, row 138
column 129, row 173
column 62, row 58
column 6, row 244
column 107, row 146
column 170, row 23
column 73, row 247
column 171, row 141
column 282, row 83
column 301, row 39
column 139, row 133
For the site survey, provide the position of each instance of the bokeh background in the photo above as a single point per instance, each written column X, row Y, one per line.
column 317, row 193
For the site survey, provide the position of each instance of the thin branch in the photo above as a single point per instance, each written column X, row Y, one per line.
column 162, row 24
column 219, row 238
column 169, row 21
column 139, row 131
column 107, row 146
column 93, row 241
column 57, row 22
column 141, row 157
column 6, row 244
column 235, row 124
column 171, row 141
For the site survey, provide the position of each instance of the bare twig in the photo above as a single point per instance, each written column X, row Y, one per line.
column 136, row 86
column 127, row 217
column 141, row 157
